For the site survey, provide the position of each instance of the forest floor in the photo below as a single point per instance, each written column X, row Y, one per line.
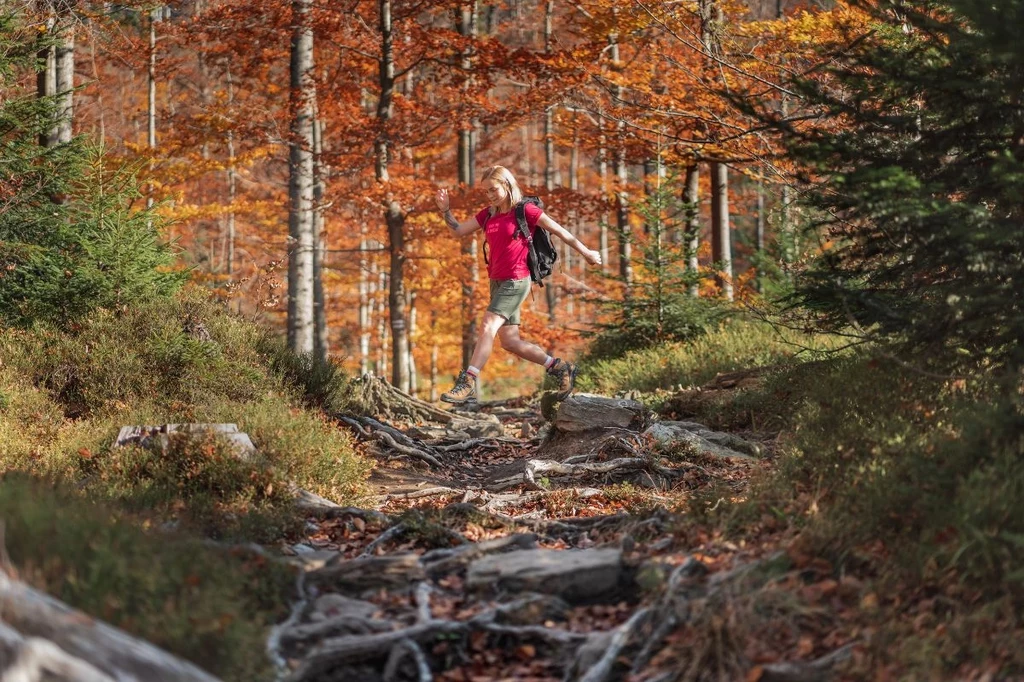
column 466, row 570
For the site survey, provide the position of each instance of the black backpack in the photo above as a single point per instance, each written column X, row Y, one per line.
column 542, row 255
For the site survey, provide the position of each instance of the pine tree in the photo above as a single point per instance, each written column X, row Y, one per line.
column 71, row 238
column 920, row 181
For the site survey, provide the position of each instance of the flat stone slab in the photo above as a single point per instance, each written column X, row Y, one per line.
column 703, row 439
column 575, row 575
column 157, row 435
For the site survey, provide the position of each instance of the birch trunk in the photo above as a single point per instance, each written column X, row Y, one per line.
column 602, row 165
column 574, row 219
column 46, row 78
column 232, row 190
column 151, row 102
column 64, row 61
column 621, row 198
column 364, row 304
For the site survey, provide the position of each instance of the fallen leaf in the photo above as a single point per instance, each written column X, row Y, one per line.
column 526, row 652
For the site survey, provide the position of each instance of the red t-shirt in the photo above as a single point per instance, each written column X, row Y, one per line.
column 507, row 250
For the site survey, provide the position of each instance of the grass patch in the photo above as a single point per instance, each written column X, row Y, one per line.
column 737, row 343
column 185, row 360
column 205, row 604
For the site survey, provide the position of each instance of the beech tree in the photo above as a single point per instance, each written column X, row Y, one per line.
column 301, row 324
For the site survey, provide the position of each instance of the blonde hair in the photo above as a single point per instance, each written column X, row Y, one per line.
column 504, row 175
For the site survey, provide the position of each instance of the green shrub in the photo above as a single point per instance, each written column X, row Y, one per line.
column 175, row 354
column 199, row 478
column 646, row 324
column 932, row 467
column 322, row 383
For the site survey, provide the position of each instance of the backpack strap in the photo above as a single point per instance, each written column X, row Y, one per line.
column 484, row 227
column 524, row 230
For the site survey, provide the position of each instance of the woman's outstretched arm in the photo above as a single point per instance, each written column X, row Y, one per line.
column 591, row 256
column 458, row 229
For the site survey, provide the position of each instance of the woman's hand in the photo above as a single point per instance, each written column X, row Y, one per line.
column 444, row 204
column 592, row 257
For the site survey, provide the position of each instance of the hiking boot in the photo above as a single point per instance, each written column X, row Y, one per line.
column 565, row 374
column 463, row 392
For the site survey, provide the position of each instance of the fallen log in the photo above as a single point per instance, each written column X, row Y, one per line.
column 36, row 616
column 31, row 659
column 546, row 466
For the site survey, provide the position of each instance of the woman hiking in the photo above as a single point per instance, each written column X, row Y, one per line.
column 510, row 279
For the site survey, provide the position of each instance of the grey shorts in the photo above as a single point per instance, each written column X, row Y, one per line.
column 507, row 296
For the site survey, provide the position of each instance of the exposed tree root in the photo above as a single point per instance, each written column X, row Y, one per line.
column 817, row 670
column 602, row 670
column 377, row 397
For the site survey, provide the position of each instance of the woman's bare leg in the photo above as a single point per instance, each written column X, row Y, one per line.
column 510, row 340
column 492, row 322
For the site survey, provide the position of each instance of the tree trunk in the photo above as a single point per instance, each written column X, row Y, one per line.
column 550, row 162
column 759, row 233
column 602, row 166
column 574, row 186
column 394, row 214
column 786, row 235
column 321, row 334
column 433, row 355
column 413, row 379
column 691, row 197
column 364, row 303
column 621, row 198
column 46, row 78
column 300, row 183
column 467, row 160
column 383, row 281
column 232, row 190
column 397, row 299
column 151, row 102
column 721, row 241
column 64, row 60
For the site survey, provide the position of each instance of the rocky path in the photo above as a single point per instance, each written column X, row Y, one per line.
column 501, row 546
